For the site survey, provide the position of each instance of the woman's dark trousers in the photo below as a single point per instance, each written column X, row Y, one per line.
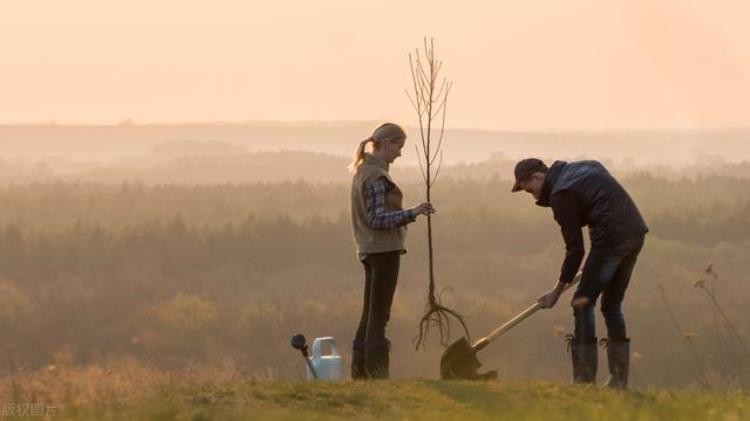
column 607, row 273
column 370, row 350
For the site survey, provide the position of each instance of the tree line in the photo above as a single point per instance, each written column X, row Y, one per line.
column 175, row 275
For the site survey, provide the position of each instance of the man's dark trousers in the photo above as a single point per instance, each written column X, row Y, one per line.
column 607, row 273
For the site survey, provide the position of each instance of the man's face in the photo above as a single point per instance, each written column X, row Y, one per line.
column 533, row 184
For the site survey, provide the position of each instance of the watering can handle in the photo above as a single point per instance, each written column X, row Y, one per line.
column 317, row 347
column 516, row 320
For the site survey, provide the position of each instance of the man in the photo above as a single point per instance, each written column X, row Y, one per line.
column 585, row 194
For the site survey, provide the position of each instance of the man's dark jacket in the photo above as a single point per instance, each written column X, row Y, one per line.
column 584, row 193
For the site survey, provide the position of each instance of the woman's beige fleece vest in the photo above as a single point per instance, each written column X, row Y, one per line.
column 367, row 239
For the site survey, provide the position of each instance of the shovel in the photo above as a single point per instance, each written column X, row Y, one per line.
column 459, row 361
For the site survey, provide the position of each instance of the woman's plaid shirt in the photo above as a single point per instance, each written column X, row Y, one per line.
column 377, row 216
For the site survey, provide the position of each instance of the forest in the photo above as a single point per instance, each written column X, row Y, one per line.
column 221, row 274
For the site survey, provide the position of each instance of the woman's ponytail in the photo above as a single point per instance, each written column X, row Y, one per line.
column 359, row 155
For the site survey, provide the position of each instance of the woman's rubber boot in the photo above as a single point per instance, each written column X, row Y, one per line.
column 377, row 364
column 358, row 365
column 585, row 359
column 618, row 356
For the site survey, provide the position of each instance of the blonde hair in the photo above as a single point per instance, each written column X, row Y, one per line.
column 384, row 133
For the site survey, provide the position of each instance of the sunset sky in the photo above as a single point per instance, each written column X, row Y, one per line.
column 516, row 65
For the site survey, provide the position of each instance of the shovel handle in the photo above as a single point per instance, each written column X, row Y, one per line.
column 516, row 320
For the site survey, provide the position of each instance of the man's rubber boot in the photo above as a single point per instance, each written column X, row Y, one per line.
column 377, row 364
column 585, row 359
column 618, row 356
column 358, row 365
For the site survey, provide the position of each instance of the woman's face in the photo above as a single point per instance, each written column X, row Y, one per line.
column 391, row 150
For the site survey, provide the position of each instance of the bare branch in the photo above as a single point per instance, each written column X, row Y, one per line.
column 424, row 82
column 439, row 109
column 418, row 96
column 421, row 167
column 441, row 89
column 437, row 170
column 445, row 108
column 417, row 91
column 413, row 104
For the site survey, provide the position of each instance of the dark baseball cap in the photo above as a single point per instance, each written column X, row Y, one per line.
column 525, row 168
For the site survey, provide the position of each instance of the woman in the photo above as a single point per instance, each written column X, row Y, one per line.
column 379, row 224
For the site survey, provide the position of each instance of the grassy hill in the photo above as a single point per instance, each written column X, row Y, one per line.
column 434, row 400
column 137, row 392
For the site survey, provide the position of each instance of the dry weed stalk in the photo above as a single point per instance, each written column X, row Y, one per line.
column 701, row 283
column 687, row 339
column 710, row 291
column 721, row 347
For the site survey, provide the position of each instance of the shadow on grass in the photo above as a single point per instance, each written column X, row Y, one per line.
column 480, row 396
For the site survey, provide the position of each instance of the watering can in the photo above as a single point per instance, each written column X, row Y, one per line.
column 319, row 366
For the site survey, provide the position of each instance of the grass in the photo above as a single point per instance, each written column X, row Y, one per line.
column 132, row 392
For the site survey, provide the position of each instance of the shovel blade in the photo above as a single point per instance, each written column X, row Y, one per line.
column 459, row 362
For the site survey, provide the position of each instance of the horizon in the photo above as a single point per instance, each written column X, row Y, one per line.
column 129, row 123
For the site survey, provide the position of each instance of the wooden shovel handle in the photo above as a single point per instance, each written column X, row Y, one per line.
column 516, row 320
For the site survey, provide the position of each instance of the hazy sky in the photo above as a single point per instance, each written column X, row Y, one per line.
column 528, row 64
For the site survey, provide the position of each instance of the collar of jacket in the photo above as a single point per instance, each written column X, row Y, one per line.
column 371, row 159
column 549, row 180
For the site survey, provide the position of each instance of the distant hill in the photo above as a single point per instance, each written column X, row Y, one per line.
column 97, row 143
column 220, row 163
